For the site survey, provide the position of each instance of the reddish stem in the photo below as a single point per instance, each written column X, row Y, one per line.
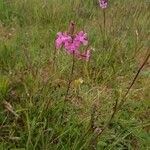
column 118, row 107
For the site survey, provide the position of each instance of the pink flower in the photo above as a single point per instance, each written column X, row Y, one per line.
column 71, row 48
column 103, row 4
column 62, row 38
column 72, row 45
column 81, row 38
column 88, row 55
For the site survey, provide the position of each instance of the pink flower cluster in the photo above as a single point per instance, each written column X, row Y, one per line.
column 103, row 4
column 72, row 45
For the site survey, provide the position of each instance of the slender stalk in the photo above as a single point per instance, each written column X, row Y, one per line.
column 54, row 58
column 71, row 31
column 104, row 24
column 68, row 86
column 71, row 74
column 118, row 107
column 133, row 81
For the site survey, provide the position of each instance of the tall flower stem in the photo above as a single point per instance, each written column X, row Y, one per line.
column 54, row 59
column 71, row 74
column 71, row 30
column 68, row 86
column 104, row 25
column 104, row 4
column 134, row 79
column 117, row 106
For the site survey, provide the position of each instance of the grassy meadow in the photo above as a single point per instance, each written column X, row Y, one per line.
column 34, row 113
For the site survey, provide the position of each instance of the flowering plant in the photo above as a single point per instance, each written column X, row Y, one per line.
column 72, row 44
column 103, row 4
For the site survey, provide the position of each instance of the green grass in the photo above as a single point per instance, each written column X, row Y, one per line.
column 39, row 99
